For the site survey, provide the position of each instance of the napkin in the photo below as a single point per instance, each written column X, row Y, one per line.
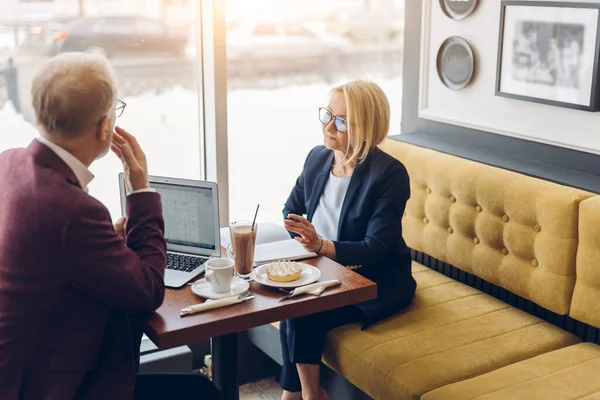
column 315, row 288
column 211, row 305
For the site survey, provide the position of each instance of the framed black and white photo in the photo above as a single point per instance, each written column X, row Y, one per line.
column 548, row 53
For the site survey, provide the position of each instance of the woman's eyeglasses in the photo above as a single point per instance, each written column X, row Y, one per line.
column 120, row 107
column 325, row 116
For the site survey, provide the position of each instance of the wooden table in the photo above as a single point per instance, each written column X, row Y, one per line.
column 167, row 329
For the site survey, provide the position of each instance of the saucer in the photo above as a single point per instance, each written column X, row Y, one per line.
column 204, row 289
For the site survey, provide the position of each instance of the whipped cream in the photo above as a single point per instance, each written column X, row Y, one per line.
column 284, row 268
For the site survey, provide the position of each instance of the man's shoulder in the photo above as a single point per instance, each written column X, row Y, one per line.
column 80, row 202
column 10, row 152
column 11, row 156
column 72, row 202
column 41, row 188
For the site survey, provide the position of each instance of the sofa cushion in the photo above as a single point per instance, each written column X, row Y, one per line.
column 568, row 373
column 451, row 332
column 587, row 287
column 512, row 230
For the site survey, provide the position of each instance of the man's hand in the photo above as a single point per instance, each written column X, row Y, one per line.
column 120, row 227
column 127, row 148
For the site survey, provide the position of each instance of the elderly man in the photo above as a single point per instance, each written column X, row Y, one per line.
column 69, row 279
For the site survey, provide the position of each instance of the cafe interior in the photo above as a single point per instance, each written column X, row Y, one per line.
column 494, row 108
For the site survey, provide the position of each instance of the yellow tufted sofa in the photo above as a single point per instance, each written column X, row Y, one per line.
column 455, row 342
column 567, row 373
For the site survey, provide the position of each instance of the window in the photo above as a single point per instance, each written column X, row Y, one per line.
column 146, row 27
column 269, row 30
column 109, row 26
column 276, row 86
column 160, row 82
column 293, row 30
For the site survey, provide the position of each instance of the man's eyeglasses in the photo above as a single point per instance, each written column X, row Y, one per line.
column 120, row 107
column 325, row 116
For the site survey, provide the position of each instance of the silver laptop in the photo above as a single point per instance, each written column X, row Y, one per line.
column 191, row 214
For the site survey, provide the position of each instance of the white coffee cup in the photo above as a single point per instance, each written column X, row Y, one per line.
column 219, row 273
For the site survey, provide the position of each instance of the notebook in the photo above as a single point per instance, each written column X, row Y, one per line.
column 273, row 243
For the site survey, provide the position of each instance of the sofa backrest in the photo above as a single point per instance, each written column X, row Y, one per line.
column 586, row 298
column 515, row 231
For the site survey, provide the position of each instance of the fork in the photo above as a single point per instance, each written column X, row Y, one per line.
column 245, row 294
column 241, row 296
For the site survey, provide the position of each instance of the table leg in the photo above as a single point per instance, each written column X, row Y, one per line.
column 224, row 351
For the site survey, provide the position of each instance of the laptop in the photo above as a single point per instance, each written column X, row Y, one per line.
column 191, row 214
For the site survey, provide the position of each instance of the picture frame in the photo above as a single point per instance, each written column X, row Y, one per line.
column 548, row 53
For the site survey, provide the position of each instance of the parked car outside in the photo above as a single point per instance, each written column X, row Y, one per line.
column 116, row 37
column 269, row 40
column 366, row 27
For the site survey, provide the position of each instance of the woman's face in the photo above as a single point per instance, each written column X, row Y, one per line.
column 332, row 138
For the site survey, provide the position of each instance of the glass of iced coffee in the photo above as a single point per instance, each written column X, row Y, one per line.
column 243, row 240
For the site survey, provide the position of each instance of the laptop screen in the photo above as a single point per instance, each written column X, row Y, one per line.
column 190, row 211
column 189, row 215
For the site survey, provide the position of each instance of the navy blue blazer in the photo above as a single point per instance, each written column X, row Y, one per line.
column 370, row 224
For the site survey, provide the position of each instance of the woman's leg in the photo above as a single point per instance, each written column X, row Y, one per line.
column 302, row 341
column 309, row 379
column 288, row 378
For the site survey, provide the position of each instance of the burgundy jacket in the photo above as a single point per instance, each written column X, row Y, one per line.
column 68, row 282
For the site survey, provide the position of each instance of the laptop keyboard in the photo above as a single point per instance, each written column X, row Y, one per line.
column 181, row 262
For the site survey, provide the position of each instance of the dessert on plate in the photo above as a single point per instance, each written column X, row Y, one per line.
column 284, row 271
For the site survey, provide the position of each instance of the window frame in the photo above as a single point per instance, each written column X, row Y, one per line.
column 212, row 63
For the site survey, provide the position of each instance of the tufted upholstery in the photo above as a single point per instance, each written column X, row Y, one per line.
column 586, row 298
column 515, row 231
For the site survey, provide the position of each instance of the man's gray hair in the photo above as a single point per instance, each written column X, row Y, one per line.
column 72, row 93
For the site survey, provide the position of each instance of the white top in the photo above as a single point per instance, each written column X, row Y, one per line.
column 83, row 175
column 327, row 215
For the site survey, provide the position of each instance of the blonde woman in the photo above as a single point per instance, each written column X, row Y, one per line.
column 353, row 196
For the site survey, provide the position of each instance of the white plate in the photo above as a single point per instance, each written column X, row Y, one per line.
column 309, row 275
column 204, row 289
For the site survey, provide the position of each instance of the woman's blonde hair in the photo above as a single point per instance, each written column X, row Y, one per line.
column 368, row 118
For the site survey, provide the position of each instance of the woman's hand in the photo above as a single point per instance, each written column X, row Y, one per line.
column 308, row 236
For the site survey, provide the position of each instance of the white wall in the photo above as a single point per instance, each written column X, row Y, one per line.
column 476, row 106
